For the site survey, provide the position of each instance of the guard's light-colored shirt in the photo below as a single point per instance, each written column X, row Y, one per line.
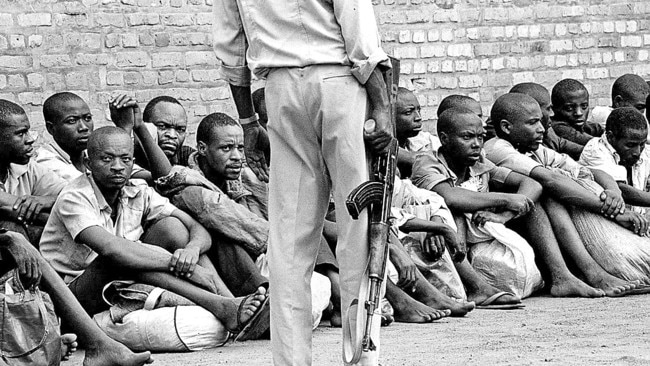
column 502, row 153
column 261, row 35
column 423, row 141
column 81, row 205
column 58, row 161
column 431, row 169
column 32, row 179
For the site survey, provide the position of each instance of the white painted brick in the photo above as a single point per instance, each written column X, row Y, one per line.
column 470, row 81
column 534, row 31
column 404, row 36
column 607, row 57
column 619, row 56
column 631, row 41
column 460, row 65
column 643, row 55
column 597, row 73
column 447, row 35
column 447, row 66
column 523, row 31
column 560, row 61
column 631, row 26
column 573, row 74
column 419, row 67
column 560, row 45
column 522, row 77
column 473, row 33
column 498, row 63
column 608, row 27
column 511, row 30
column 419, row 36
column 560, row 30
column 460, row 50
column 435, row 50
column 620, row 26
column 433, row 35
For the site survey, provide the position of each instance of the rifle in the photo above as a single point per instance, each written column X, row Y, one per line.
column 376, row 195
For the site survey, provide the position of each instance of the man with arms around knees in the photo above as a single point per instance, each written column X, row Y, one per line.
column 520, row 133
column 93, row 237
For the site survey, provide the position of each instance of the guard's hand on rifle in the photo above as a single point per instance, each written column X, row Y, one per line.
column 378, row 131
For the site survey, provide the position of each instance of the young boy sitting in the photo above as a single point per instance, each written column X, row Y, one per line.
column 621, row 153
column 460, row 175
column 551, row 139
column 412, row 140
column 628, row 90
column 520, row 132
column 69, row 121
column 570, row 103
column 94, row 232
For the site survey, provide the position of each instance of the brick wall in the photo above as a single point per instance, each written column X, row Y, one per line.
column 474, row 47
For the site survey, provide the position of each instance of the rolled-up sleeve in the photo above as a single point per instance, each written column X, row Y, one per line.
column 229, row 42
column 361, row 36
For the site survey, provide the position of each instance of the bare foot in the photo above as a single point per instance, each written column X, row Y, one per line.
column 573, row 287
column 250, row 306
column 437, row 300
column 112, row 353
column 613, row 286
column 68, row 345
column 417, row 312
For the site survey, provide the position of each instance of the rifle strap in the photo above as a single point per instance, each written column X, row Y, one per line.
column 352, row 348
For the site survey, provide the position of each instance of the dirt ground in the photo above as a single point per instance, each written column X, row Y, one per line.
column 548, row 331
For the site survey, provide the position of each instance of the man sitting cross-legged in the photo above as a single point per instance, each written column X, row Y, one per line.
column 17, row 252
column 551, row 139
column 520, row 132
column 458, row 173
column 95, row 227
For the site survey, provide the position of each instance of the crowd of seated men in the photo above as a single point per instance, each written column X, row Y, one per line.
column 486, row 211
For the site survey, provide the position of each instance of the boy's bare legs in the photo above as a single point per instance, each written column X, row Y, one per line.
column 542, row 238
column 572, row 244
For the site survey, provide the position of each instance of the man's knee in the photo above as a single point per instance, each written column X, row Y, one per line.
column 169, row 233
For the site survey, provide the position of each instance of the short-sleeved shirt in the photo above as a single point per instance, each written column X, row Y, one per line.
column 32, row 179
column 423, row 141
column 502, row 153
column 82, row 205
column 600, row 154
column 58, row 161
column 431, row 169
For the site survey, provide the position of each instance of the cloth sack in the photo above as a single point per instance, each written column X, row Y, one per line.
column 618, row 250
column 30, row 328
column 144, row 326
column 504, row 258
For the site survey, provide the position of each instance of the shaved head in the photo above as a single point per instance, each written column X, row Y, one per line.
column 509, row 107
column 460, row 101
column 52, row 105
column 101, row 135
column 537, row 91
column 448, row 120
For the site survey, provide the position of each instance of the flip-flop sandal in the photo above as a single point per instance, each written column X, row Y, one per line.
column 256, row 325
column 489, row 304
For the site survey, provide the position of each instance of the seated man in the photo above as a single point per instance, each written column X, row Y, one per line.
column 570, row 104
column 93, row 236
column 551, row 139
column 17, row 252
column 458, row 173
column 518, row 147
column 27, row 189
column 621, row 153
column 166, row 121
column 412, row 140
column 69, row 121
column 628, row 90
